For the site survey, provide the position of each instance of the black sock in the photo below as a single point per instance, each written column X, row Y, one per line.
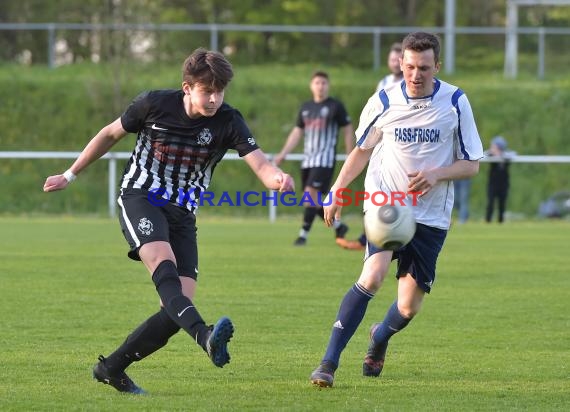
column 180, row 309
column 321, row 213
column 149, row 337
column 309, row 217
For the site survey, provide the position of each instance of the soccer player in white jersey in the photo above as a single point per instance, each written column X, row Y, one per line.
column 181, row 135
column 417, row 136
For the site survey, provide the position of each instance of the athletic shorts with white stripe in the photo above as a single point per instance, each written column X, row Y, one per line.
column 144, row 222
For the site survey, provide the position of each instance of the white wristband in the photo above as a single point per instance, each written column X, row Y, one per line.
column 69, row 176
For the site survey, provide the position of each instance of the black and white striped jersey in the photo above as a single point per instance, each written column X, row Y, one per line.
column 175, row 154
column 321, row 123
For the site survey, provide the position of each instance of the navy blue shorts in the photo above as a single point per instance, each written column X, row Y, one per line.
column 418, row 257
column 143, row 222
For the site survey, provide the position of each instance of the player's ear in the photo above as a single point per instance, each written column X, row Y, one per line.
column 437, row 67
column 186, row 88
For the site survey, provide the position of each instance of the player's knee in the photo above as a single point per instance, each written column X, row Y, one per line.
column 164, row 273
column 408, row 310
column 372, row 278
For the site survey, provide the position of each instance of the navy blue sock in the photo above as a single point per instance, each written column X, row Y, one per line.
column 393, row 323
column 350, row 314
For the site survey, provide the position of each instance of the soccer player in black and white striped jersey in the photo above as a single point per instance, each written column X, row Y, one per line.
column 181, row 136
column 319, row 121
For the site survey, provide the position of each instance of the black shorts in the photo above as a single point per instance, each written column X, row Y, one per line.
column 418, row 257
column 143, row 222
column 318, row 178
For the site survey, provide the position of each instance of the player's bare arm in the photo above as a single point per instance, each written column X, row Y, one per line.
column 292, row 141
column 352, row 167
column 348, row 138
column 424, row 181
column 97, row 147
column 271, row 176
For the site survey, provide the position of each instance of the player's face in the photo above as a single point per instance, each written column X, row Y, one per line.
column 204, row 101
column 419, row 69
column 394, row 63
column 320, row 88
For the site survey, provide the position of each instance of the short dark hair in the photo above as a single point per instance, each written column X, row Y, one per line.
column 207, row 67
column 421, row 41
column 320, row 73
column 396, row 47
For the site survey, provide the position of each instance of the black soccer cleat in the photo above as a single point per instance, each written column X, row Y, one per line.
column 217, row 343
column 300, row 241
column 373, row 362
column 341, row 230
column 371, row 367
column 323, row 376
column 120, row 381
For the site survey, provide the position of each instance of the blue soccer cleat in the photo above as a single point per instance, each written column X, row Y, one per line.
column 217, row 343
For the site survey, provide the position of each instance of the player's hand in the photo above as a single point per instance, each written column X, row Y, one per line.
column 331, row 211
column 53, row 183
column 422, row 181
column 285, row 181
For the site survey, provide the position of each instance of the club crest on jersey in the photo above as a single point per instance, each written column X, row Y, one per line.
column 145, row 226
column 205, row 137
column 324, row 111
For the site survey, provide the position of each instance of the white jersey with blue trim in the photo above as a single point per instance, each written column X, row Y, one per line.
column 415, row 134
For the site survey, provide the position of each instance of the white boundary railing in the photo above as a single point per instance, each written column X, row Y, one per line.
column 450, row 31
column 112, row 158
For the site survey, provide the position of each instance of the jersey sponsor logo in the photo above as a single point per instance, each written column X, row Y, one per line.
column 145, row 226
column 205, row 137
column 251, row 140
column 420, row 106
column 416, row 135
column 155, row 127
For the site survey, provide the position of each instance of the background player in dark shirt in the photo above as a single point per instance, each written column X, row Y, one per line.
column 498, row 181
column 181, row 136
column 319, row 121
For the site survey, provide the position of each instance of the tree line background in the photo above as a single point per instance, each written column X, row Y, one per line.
column 336, row 48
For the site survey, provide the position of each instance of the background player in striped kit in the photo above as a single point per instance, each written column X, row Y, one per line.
column 319, row 121
column 417, row 136
column 181, row 135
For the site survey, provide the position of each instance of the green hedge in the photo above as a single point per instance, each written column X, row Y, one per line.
column 61, row 109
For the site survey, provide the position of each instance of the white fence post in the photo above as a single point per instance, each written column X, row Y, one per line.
column 112, row 189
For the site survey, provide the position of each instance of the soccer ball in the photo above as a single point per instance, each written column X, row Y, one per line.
column 389, row 226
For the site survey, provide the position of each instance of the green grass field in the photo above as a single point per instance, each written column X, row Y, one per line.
column 493, row 335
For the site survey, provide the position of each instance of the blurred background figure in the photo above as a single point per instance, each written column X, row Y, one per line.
column 462, row 188
column 395, row 75
column 319, row 122
column 498, row 183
